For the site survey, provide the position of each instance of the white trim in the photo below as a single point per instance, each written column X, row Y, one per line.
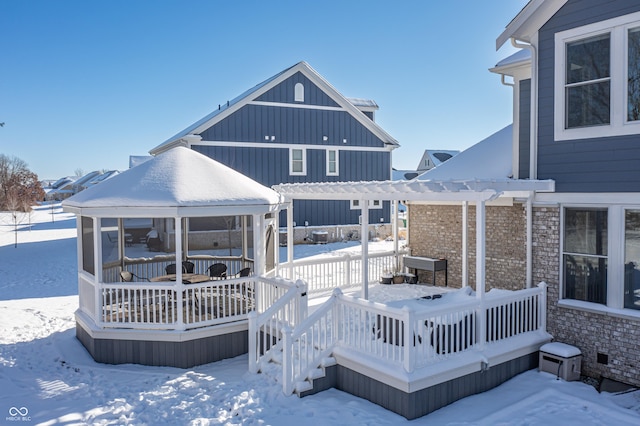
column 530, row 19
column 299, row 106
column 336, row 161
column 298, row 92
column 596, row 308
column 372, row 204
column 304, row 161
column 265, row 145
column 618, row 125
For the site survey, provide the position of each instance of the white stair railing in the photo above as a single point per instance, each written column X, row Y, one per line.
column 288, row 308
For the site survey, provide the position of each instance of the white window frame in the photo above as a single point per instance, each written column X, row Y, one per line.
column 304, row 162
column 373, row 204
column 298, row 92
column 615, row 263
column 618, row 62
column 337, row 162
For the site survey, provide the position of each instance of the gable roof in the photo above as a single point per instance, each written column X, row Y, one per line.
column 436, row 157
column 530, row 19
column 174, row 179
column 192, row 132
column 491, row 158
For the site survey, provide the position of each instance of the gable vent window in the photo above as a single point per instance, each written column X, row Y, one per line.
column 299, row 92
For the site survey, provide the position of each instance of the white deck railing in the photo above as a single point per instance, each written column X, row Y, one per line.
column 326, row 273
column 176, row 306
column 405, row 337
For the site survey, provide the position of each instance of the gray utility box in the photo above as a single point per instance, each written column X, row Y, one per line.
column 320, row 237
column 561, row 359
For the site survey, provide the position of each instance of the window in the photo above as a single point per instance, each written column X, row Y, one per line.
column 297, row 162
column 87, row 245
column 373, row 204
column 633, row 75
column 585, row 254
column 298, row 94
column 597, row 79
column 332, row 162
column 632, row 259
column 588, row 82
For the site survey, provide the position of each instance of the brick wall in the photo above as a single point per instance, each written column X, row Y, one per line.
column 592, row 332
column 436, row 231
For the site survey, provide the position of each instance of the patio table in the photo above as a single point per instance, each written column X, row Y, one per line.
column 186, row 278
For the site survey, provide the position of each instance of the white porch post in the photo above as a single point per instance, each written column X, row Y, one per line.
column 480, row 248
column 178, row 286
column 465, row 241
column 290, row 238
column 258, row 244
column 530, row 241
column 364, row 238
column 481, row 316
column 394, row 230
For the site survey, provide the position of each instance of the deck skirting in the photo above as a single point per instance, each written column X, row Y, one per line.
column 181, row 352
column 412, row 405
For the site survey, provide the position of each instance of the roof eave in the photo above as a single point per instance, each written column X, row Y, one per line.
column 530, row 19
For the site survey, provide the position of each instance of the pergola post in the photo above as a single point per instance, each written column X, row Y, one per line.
column 529, row 243
column 290, row 238
column 364, row 238
column 465, row 241
column 480, row 248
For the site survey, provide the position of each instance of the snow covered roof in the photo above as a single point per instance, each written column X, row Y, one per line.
column 434, row 157
column 490, row 158
column 180, row 180
column 522, row 56
column 191, row 133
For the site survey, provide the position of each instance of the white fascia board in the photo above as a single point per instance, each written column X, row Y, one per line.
column 530, row 19
column 171, row 211
column 266, row 145
column 590, row 198
column 520, row 70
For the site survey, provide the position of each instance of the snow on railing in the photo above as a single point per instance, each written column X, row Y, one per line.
column 326, row 273
column 280, row 303
column 406, row 337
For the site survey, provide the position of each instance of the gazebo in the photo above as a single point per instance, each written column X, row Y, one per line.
column 170, row 254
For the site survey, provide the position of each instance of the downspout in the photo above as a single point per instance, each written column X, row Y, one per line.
column 533, row 126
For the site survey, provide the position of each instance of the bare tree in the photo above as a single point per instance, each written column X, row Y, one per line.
column 19, row 187
column 79, row 172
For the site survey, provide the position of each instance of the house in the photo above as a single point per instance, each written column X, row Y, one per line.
column 433, row 158
column 296, row 127
column 575, row 122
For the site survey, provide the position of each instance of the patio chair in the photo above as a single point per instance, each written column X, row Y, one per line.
column 218, row 271
column 127, row 277
column 188, row 267
column 244, row 272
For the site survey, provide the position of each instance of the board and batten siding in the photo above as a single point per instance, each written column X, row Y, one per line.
column 252, row 123
column 607, row 164
column 524, row 134
column 284, row 92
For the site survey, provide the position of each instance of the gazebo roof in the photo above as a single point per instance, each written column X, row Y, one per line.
column 178, row 182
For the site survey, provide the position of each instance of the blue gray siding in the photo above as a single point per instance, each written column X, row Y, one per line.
column 270, row 166
column 284, row 92
column 590, row 165
column 292, row 126
column 524, row 134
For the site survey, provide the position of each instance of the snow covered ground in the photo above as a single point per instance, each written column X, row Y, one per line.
column 47, row 376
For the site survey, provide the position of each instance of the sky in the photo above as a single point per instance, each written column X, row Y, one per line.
column 86, row 84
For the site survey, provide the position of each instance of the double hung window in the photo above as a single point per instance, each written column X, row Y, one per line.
column 597, row 79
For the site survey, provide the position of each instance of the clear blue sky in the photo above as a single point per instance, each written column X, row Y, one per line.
column 85, row 84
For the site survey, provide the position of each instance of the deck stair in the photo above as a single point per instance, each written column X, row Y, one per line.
column 271, row 367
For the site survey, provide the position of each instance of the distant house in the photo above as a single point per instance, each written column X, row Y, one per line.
column 295, row 127
column 433, row 158
column 97, row 179
column 81, row 183
column 59, row 188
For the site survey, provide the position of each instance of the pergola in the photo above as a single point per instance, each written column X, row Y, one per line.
column 464, row 192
